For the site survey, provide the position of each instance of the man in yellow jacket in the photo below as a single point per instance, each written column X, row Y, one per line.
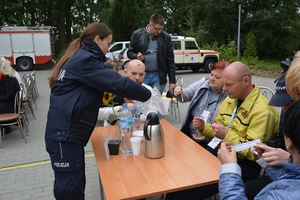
column 243, row 116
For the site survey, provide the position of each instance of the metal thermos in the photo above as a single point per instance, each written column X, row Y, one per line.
column 154, row 143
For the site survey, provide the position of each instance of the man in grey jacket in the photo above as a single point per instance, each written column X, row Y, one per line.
column 153, row 46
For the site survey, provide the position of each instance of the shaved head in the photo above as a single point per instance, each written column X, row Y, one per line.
column 135, row 70
column 237, row 80
column 238, row 69
column 135, row 64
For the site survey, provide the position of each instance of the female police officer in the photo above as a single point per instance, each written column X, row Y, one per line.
column 77, row 84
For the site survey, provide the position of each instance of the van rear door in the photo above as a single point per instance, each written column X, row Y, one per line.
column 178, row 52
column 191, row 51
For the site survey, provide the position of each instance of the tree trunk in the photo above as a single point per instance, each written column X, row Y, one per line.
column 69, row 21
column 62, row 24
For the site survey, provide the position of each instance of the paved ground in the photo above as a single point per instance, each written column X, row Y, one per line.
column 25, row 170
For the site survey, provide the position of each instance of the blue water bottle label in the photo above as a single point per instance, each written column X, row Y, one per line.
column 126, row 122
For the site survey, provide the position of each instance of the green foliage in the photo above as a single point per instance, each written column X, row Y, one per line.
column 214, row 46
column 228, row 52
column 219, row 17
column 273, row 24
column 125, row 17
column 250, row 49
column 192, row 30
column 250, row 53
column 268, row 64
column 175, row 13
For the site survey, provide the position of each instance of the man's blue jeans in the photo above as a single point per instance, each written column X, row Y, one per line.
column 152, row 79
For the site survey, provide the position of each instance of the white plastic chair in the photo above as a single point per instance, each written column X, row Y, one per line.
column 174, row 105
column 266, row 91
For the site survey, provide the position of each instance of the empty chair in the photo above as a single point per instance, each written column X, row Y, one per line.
column 29, row 83
column 27, row 101
column 35, row 89
column 24, row 97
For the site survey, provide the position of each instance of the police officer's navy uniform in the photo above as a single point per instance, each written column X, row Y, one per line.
column 74, row 103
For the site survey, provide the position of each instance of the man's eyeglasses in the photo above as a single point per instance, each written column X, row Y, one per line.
column 158, row 29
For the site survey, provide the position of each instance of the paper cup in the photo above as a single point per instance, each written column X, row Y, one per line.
column 136, row 145
column 138, row 134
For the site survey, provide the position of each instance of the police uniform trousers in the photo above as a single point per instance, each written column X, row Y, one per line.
column 67, row 160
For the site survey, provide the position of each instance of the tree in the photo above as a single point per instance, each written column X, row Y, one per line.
column 192, row 30
column 250, row 53
column 125, row 17
column 272, row 22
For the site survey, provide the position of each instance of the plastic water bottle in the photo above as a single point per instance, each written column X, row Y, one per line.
column 137, row 125
column 126, row 123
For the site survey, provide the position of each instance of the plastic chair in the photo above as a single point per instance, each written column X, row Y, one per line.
column 30, row 96
column 22, row 86
column 35, row 91
column 174, row 105
column 15, row 118
column 266, row 91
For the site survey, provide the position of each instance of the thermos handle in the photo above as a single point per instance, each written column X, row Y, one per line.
column 146, row 130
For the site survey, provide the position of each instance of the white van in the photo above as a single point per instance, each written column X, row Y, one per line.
column 187, row 54
column 115, row 48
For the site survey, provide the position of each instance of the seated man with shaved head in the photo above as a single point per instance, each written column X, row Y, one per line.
column 134, row 70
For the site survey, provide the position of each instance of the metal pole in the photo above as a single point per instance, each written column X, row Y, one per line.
column 239, row 30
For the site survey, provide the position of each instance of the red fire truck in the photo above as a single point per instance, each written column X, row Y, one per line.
column 25, row 46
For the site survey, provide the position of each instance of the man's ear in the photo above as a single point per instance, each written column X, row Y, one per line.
column 247, row 80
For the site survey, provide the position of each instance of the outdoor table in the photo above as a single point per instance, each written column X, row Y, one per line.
column 185, row 165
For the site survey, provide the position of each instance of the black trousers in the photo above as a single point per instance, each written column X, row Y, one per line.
column 67, row 160
column 253, row 187
column 250, row 169
column 199, row 193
